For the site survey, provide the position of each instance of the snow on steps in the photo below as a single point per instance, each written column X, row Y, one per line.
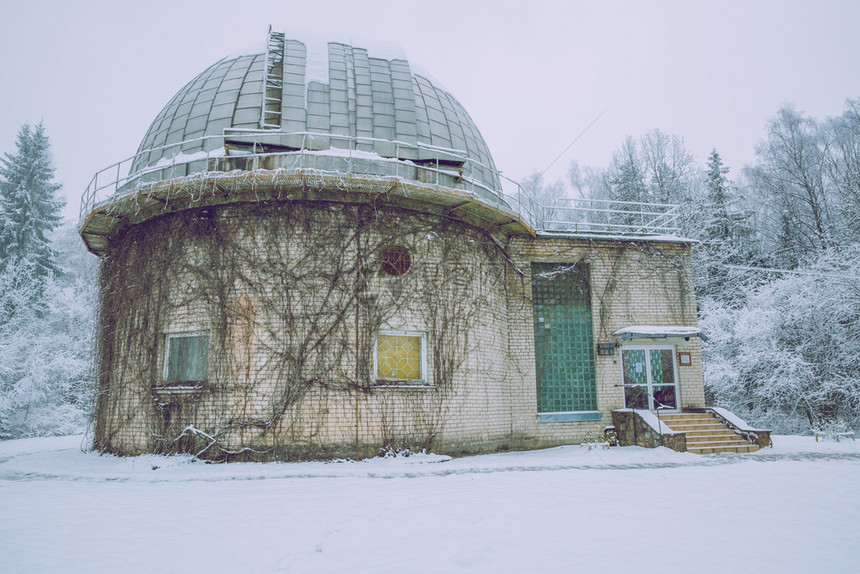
column 706, row 434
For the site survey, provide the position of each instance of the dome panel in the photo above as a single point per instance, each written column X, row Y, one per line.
column 366, row 98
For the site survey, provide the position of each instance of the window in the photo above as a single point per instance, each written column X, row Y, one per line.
column 564, row 343
column 396, row 260
column 400, row 357
column 186, row 360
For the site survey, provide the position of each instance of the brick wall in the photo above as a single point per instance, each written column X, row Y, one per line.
column 632, row 283
column 470, row 296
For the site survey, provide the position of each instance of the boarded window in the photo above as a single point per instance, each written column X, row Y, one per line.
column 399, row 357
column 187, row 358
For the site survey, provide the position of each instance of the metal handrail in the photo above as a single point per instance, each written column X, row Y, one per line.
column 661, row 406
column 206, row 148
column 573, row 215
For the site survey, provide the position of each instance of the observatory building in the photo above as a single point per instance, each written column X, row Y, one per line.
column 312, row 254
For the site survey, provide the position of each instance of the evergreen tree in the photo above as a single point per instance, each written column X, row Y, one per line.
column 719, row 225
column 626, row 178
column 29, row 207
column 727, row 238
column 627, row 174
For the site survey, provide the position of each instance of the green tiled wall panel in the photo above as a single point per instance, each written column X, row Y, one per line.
column 564, row 342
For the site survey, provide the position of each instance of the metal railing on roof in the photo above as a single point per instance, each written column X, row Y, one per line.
column 608, row 217
column 249, row 150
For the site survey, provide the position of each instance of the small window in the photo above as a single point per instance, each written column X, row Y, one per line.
column 400, row 357
column 396, row 260
column 186, row 359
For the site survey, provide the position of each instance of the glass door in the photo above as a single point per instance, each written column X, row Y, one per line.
column 650, row 378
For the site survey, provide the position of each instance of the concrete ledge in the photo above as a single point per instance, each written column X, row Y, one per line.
column 152, row 199
column 569, row 417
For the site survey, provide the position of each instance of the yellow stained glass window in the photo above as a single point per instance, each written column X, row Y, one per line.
column 398, row 357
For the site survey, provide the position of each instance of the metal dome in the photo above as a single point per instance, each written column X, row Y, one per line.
column 331, row 121
column 296, row 92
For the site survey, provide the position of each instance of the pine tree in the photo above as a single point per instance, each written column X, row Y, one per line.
column 627, row 175
column 29, row 208
column 727, row 238
column 719, row 224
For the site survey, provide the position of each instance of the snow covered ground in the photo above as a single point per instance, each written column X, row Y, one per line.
column 792, row 508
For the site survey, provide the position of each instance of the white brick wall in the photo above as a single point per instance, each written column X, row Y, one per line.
column 492, row 402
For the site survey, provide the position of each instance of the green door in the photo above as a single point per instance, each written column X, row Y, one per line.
column 564, row 342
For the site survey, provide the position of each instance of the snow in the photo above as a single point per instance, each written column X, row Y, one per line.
column 659, row 331
column 792, row 508
column 619, row 237
column 652, row 421
column 734, row 419
column 182, row 157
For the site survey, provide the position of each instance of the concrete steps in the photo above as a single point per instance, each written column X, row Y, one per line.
column 706, row 434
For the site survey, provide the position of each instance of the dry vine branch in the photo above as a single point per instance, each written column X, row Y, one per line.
column 292, row 296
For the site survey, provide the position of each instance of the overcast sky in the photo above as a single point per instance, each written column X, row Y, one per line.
column 532, row 74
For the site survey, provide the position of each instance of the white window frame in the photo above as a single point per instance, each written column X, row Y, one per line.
column 650, row 384
column 386, row 381
column 168, row 337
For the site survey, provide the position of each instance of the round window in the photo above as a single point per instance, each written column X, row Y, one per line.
column 395, row 260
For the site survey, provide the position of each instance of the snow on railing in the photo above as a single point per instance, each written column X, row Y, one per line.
column 607, row 217
column 251, row 149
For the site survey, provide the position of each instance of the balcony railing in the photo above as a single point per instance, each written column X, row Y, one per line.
column 248, row 150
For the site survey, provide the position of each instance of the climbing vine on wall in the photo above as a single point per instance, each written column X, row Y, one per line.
column 292, row 295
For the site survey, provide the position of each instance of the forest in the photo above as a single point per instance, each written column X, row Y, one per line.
column 776, row 260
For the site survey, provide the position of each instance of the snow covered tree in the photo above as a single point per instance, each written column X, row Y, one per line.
column 843, row 168
column 29, row 207
column 787, row 358
column 669, row 167
column 790, row 179
column 656, row 168
column 726, row 237
column 46, row 311
column 46, row 329
column 588, row 182
column 626, row 174
column 545, row 196
column 719, row 225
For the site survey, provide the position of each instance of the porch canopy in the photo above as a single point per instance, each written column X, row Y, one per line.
column 656, row 332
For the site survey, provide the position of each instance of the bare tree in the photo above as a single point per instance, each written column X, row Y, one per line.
column 545, row 196
column 843, row 167
column 669, row 167
column 790, row 179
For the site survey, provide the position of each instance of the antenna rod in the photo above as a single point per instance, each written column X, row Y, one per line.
column 576, row 139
